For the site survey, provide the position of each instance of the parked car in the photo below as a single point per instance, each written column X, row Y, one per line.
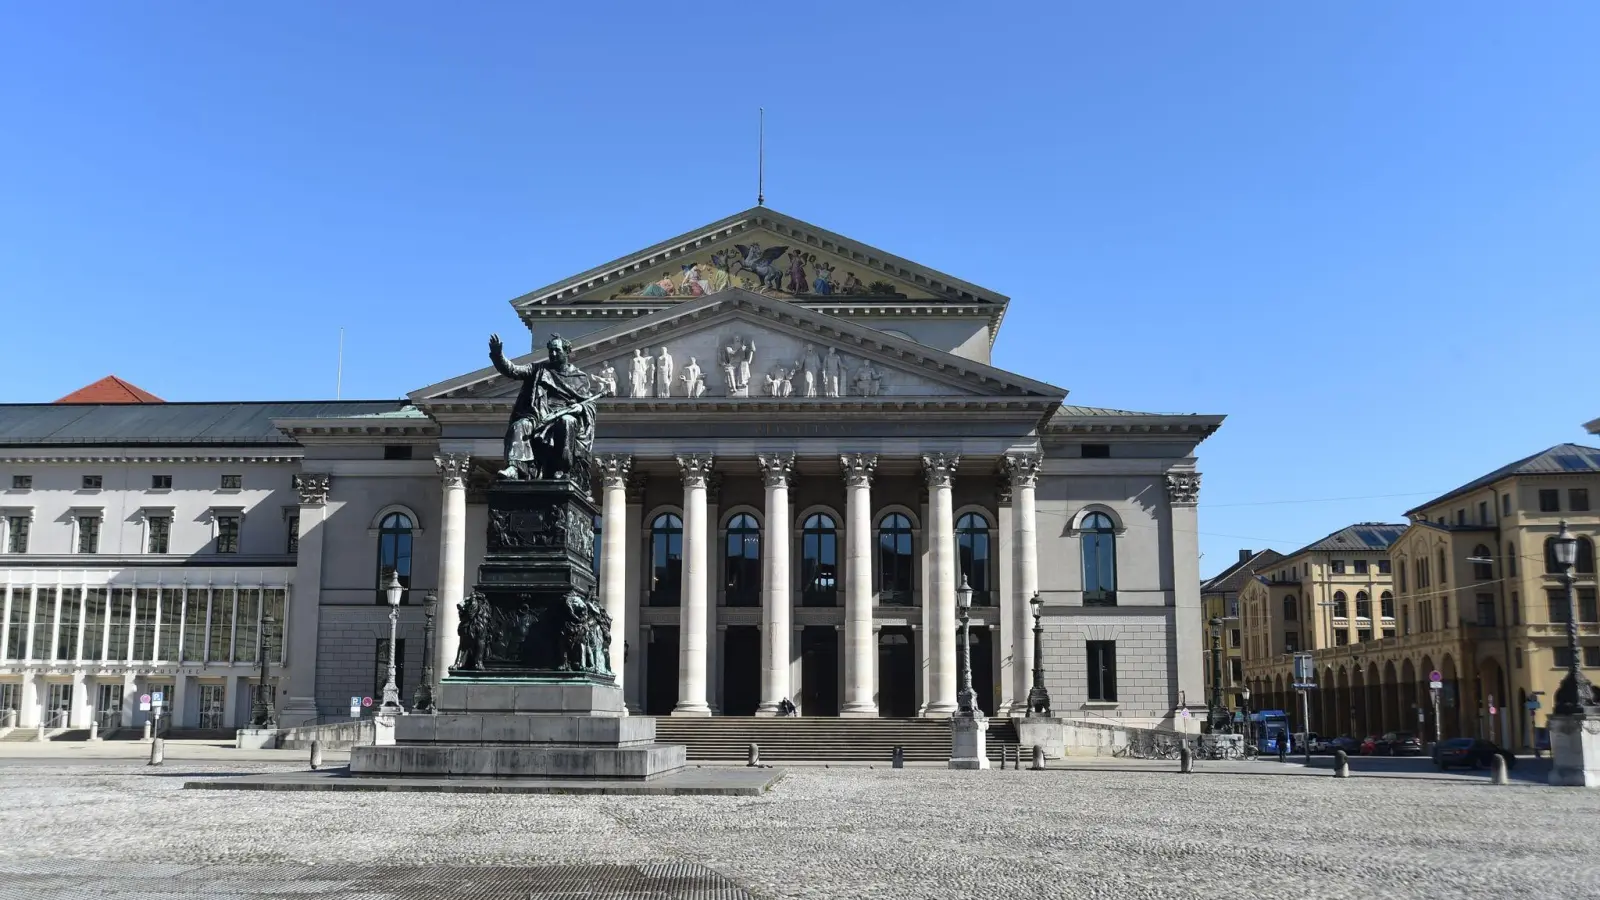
column 1369, row 745
column 1346, row 743
column 1471, row 752
column 1398, row 743
column 1318, row 745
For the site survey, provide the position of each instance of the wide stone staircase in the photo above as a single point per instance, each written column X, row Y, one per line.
column 821, row 739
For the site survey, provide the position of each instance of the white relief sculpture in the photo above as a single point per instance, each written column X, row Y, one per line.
column 726, row 358
column 606, row 380
column 664, row 374
column 773, row 378
column 639, row 375
column 747, row 357
column 786, row 383
column 811, row 371
column 832, row 373
column 869, row 381
column 694, row 385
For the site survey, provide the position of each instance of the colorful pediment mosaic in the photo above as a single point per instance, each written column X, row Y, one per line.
column 774, row 270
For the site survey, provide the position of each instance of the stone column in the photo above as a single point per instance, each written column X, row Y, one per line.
column 78, row 707
column 1024, row 472
column 859, row 675
column 453, row 471
column 614, row 552
column 777, row 471
column 940, row 469
column 301, row 705
column 636, row 637
column 692, row 637
column 1183, row 495
column 31, row 704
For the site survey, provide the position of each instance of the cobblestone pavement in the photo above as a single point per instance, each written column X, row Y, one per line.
column 1123, row 832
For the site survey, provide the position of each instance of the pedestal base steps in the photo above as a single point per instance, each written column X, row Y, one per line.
column 823, row 738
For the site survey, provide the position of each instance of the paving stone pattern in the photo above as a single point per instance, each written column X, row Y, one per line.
column 1124, row 831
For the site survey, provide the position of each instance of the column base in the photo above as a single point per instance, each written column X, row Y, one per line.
column 859, row 711
column 939, row 710
column 692, row 710
column 767, row 710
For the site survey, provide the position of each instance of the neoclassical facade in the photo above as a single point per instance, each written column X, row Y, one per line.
column 803, row 456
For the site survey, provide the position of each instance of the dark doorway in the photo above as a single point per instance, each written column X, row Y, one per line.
column 741, row 670
column 661, row 672
column 897, row 673
column 819, row 671
column 983, row 668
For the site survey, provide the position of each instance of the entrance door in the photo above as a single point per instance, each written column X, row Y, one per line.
column 211, row 700
column 661, row 672
column 983, row 669
column 897, row 673
column 741, row 670
column 819, row 670
column 108, row 706
column 60, row 706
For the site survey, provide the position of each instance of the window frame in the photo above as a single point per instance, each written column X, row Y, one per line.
column 1097, row 530
column 1553, row 496
column 665, row 590
column 812, row 570
column 892, row 566
column 745, row 526
column 1100, row 659
column 967, row 540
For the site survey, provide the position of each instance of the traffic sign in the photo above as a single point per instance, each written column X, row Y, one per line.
column 1533, row 703
column 156, row 697
column 144, row 699
column 1436, row 685
column 1435, row 676
column 1186, row 712
column 366, row 701
column 1492, row 710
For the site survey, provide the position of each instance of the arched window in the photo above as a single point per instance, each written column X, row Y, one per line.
column 972, row 545
column 1386, row 601
column 742, row 567
column 819, row 561
column 394, row 553
column 1585, row 561
column 1099, row 560
column 1482, row 571
column 894, row 560
column 1341, row 605
column 1291, row 608
column 666, row 560
column 1444, row 570
column 1511, row 560
column 1363, row 605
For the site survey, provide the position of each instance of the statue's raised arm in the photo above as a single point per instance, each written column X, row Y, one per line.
column 505, row 367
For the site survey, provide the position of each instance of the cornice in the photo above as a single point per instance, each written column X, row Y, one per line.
column 110, row 458
column 492, row 409
column 331, row 430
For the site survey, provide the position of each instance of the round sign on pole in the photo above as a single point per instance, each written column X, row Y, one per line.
column 1492, row 710
column 366, row 701
column 1435, row 676
column 144, row 698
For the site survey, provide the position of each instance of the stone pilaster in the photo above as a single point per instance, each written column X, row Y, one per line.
column 1024, row 472
column 1183, row 496
column 454, row 470
column 614, row 469
column 692, row 618
column 777, row 472
column 301, row 705
column 859, row 668
column 940, row 469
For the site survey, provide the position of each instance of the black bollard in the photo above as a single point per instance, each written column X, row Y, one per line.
column 1341, row 764
column 1185, row 759
column 899, row 757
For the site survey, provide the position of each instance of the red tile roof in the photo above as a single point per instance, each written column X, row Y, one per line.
column 111, row 389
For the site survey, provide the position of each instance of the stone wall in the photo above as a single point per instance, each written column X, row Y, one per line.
column 1145, row 692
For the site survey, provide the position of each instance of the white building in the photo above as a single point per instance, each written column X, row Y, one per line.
column 811, row 456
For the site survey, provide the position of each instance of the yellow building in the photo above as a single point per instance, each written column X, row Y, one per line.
column 1332, row 597
column 1476, row 597
column 1219, row 600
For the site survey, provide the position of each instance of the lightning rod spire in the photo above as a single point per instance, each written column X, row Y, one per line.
column 761, row 156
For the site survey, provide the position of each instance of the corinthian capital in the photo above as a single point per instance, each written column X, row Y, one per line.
column 1023, row 470
column 777, row 469
column 614, row 469
column 940, row 468
column 312, row 488
column 696, row 469
column 1183, row 488
column 454, row 468
column 858, row 468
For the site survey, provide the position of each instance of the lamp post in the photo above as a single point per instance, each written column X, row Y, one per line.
column 391, row 691
column 1575, row 696
column 422, row 701
column 966, row 704
column 1244, row 704
column 262, row 715
column 1038, row 697
column 1218, row 714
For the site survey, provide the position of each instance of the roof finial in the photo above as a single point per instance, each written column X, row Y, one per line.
column 761, row 156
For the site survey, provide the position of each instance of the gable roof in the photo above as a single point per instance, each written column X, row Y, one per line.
column 1562, row 459
column 1592, row 427
column 966, row 377
column 166, row 424
column 878, row 262
column 1362, row 536
column 111, row 389
column 1233, row 577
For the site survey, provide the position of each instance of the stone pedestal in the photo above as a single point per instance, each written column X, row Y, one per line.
column 1042, row 731
column 1575, row 751
column 969, row 742
column 256, row 739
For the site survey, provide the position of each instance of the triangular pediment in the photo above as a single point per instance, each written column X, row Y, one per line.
column 737, row 334
column 765, row 252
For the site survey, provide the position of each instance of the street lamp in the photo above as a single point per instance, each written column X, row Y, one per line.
column 1217, row 712
column 1244, row 703
column 263, row 717
column 422, row 701
column 1038, row 697
column 965, row 700
column 1575, row 696
column 391, row 691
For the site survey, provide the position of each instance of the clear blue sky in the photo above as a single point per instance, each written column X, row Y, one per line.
column 1366, row 234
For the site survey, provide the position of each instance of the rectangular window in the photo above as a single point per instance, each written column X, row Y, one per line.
column 1561, row 656
column 194, row 625
column 92, row 482
column 1363, row 635
column 1591, row 656
column 1485, row 609
column 1556, row 602
column 245, row 625
column 1549, row 500
column 1516, row 609
column 1361, row 567
column 1586, row 605
column 22, row 482
column 44, row 622
column 1291, row 642
column 94, row 623
column 1386, row 605
column 1578, row 499
column 397, row 451
column 220, row 648
column 1505, row 505
column 160, row 533
column 1236, row 669
column 227, row 534
column 17, row 534
column 381, row 668
column 274, row 600
column 160, row 482
column 1461, row 517
column 1388, row 632
column 1337, row 566
column 144, row 624
column 292, row 544
column 1102, row 671
column 1383, row 567
column 1096, row 451
column 1444, row 612
column 121, row 608
column 1483, row 512
column 67, row 638
column 171, row 610
column 232, row 482
column 1401, row 577
column 1405, row 619
column 88, row 534
column 17, row 633
column 1341, row 637
column 1233, row 638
